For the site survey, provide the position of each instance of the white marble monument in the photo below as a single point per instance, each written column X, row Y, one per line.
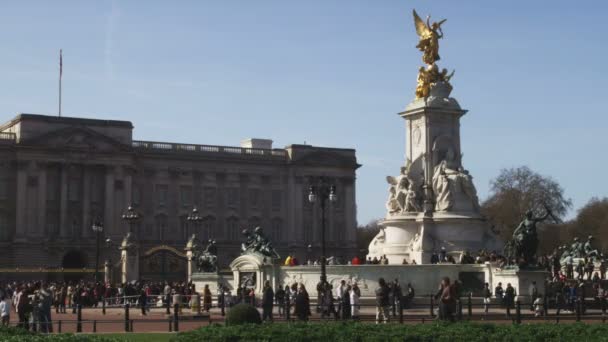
column 433, row 202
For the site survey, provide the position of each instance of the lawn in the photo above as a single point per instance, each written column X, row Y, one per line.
column 140, row 337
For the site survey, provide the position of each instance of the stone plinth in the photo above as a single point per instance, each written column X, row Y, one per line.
column 521, row 281
column 200, row 279
column 433, row 202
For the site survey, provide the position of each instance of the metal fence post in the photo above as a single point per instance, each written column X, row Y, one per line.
column 287, row 309
column 578, row 310
column 103, row 306
column 400, row 311
column 432, row 307
column 170, row 325
column 470, row 305
column 518, row 312
column 94, row 326
column 126, row 316
column 59, row 327
column 545, row 306
column 79, row 318
column 176, row 317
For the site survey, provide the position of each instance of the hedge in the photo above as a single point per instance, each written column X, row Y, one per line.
column 395, row 332
column 10, row 334
column 243, row 314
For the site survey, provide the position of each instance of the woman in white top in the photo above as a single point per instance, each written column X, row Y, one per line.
column 355, row 294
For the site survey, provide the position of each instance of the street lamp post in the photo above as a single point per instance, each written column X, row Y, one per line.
column 131, row 217
column 98, row 229
column 195, row 218
column 324, row 193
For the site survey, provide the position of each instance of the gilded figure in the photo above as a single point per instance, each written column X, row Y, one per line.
column 429, row 35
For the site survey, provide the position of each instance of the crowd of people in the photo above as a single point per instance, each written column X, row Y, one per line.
column 34, row 301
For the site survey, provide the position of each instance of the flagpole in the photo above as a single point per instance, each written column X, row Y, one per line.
column 60, row 75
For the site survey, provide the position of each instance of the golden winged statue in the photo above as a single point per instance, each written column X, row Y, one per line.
column 429, row 38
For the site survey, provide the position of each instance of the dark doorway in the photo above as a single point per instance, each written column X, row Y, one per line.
column 74, row 259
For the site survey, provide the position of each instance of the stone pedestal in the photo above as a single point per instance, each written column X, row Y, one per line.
column 433, row 203
column 107, row 272
column 214, row 280
column 129, row 257
column 521, row 281
column 252, row 270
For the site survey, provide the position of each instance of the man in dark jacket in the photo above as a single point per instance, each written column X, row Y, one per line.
column 267, row 301
column 280, row 299
column 382, row 302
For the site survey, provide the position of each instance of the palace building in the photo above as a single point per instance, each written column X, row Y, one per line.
column 60, row 175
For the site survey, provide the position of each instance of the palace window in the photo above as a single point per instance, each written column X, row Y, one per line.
column 254, row 198
column 276, row 200
column 136, row 195
column 186, row 196
column 162, row 191
column 232, row 197
column 276, row 230
column 208, row 228
column 232, row 226
column 210, row 197
column 161, row 227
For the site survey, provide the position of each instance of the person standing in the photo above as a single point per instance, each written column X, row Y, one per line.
column 533, row 293
column 167, row 295
column 267, row 301
column 280, row 300
column 143, row 301
column 44, row 309
column 447, row 301
column 5, row 311
column 382, row 304
column 355, row 294
column 499, row 293
column 340, row 293
column 207, row 298
column 487, row 297
column 397, row 294
column 302, row 309
column 410, row 295
column 509, row 298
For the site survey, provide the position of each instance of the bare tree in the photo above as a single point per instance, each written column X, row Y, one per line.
column 366, row 233
column 516, row 190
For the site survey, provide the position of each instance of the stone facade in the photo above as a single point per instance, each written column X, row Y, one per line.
column 59, row 174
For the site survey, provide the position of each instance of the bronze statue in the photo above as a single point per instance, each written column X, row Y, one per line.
column 256, row 242
column 429, row 38
column 522, row 248
column 206, row 259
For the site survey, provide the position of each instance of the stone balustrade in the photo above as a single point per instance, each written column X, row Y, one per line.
column 174, row 147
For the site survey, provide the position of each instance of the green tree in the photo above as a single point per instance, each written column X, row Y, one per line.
column 516, row 190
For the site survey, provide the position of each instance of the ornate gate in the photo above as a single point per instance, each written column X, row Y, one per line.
column 163, row 263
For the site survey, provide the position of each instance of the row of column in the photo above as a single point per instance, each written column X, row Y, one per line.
column 31, row 200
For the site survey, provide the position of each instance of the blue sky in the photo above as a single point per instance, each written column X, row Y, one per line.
column 328, row 72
